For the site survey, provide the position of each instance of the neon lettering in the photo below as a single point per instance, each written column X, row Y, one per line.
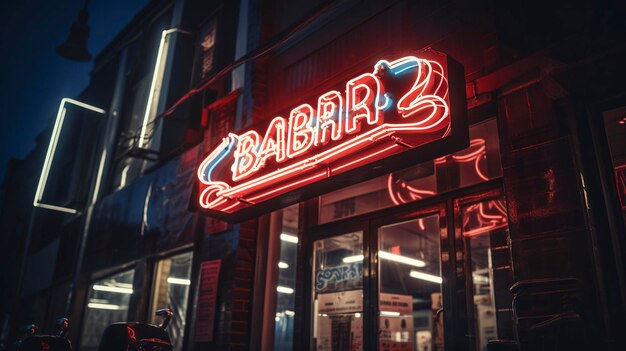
column 246, row 155
column 345, row 131
column 273, row 144
column 301, row 135
column 329, row 118
column 360, row 98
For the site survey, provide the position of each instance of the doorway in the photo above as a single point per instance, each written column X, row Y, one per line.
column 377, row 282
column 409, row 278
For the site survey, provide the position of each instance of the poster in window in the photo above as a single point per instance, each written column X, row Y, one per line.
column 396, row 322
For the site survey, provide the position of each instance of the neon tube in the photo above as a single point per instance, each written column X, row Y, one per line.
column 424, row 106
column 159, row 68
column 54, row 139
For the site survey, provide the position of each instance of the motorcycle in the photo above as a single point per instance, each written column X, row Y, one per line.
column 135, row 336
column 59, row 342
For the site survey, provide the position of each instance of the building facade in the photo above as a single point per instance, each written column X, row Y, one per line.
column 513, row 234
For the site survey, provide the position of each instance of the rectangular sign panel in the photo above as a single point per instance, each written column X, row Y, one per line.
column 392, row 115
column 207, row 300
column 350, row 301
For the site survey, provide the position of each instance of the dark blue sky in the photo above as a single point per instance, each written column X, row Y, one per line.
column 33, row 78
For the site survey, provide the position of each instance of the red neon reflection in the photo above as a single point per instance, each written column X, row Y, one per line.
column 620, row 178
column 347, row 130
column 484, row 217
column 475, row 153
column 132, row 334
column 398, row 187
column 400, row 192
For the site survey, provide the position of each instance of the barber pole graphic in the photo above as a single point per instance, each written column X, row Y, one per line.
column 400, row 106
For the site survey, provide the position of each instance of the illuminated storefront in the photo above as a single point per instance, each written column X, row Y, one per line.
column 351, row 175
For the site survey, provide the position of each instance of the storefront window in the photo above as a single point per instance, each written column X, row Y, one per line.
column 615, row 127
column 410, row 300
column 485, row 232
column 171, row 290
column 107, row 303
column 338, row 293
column 285, row 298
column 477, row 163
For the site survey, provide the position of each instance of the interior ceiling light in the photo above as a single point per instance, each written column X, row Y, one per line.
column 113, row 289
column 284, row 289
column 104, row 306
column 178, row 281
column 355, row 258
column 401, row 259
column 390, row 313
column 289, row 238
column 426, row 277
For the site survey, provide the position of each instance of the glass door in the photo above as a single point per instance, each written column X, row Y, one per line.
column 376, row 282
column 483, row 224
column 410, row 299
column 337, row 293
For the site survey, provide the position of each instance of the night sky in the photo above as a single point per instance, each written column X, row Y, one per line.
column 33, row 77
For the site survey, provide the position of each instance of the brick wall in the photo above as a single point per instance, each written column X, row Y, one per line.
column 548, row 229
column 237, row 315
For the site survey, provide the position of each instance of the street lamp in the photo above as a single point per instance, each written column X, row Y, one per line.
column 75, row 46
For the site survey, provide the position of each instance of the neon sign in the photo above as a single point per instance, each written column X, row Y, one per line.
column 402, row 112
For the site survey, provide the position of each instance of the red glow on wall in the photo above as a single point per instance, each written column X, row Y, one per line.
column 403, row 104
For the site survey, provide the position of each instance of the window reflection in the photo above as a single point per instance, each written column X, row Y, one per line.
column 410, row 299
column 485, row 232
column 107, row 303
column 171, row 290
column 477, row 163
column 615, row 128
column 285, row 297
column 484, row 217
column 338, row 293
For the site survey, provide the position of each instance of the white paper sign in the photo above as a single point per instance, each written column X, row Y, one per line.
column 340, row 302
column 402, row 304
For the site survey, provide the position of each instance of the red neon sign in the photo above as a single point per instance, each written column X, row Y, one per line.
column 400, row 106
